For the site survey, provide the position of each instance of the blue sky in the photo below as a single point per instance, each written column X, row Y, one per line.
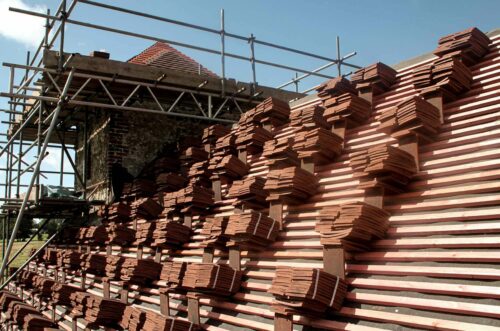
column 387, row 31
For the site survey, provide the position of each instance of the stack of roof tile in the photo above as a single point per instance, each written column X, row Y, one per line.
column 191, row 155
column 225, row 145
column 249, row 192
column 214, row 132
column 307, row 288
column 252, row 229
column 279, row 153
column 139, row 271
column 213, row 230
column 78, row 303
column 191, row 198
column 471, row 43
column 352, row 226
column 26, row 278
column 355, row 110
column 377, row 76
column 43, row 285
column 6, row 298
column 18, row 311
column 157, row 322
column 37, row 322
column 334, row 87
column 228, row 166
column 140, row 187
column 48, row 256
column 69, row 259
column 218, row 279
column 169, row 182
column 164, row 164
column 117, row 212
column 384, row 166
column 119, row 235
column 94, row 263
column 144, row 233
column 291, row 185
column 310, row 115
column 92, row 235
column 413, row 115
column 173, row 273
column 320, row 145
column 61, row 294
column 105, row 312
column 170, row 233
column 251, row 137
column 273, row 112
column 145, row 208
column 133, row 319
column 113, row 266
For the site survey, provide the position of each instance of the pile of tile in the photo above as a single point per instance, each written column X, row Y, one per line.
column 94, row 263
column 334, row 87
column 133, row 319
column 145, row 208
column 309, row 115
column 164, row 164
column 117, row 212
column 139, row 271
column 26, row 278
column 17, row 312
column 140, row 187
column 199, row 174
column 61, row 294
column 225, row 145
column 317, row 144
column 43, row 286
column 113, row 266
column 169, row 234
column 156, row 322
column 471, row 43
column 228, row 166
column 190, row 156
column 349, row 107
column 291, row 185
column 173, row 273
column 279, row 153
column 78, row 303
column 252, row 230
column 272, row 111
column 251, row 137
column 307, row 288
column 48, row 256
column 213, row 231
column 105, row 312
column 37, row 322
column 384, row 166
column 249, row 192
column 144, row 233
column 119, row 235
column 69, row 259
column 412, row 115
column 218, row 279
column 378, row 76
column 191, row 198
column 92, row 235
column 352, row 226
column 169, row 182
column 6, row 298
column 212, row 133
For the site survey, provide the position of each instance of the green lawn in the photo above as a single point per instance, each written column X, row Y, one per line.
column 26, row 251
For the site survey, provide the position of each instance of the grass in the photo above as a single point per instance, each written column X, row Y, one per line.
column 25, row 253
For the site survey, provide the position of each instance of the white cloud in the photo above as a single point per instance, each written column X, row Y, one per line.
column 23, row 28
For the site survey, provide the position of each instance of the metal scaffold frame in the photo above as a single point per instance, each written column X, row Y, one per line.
column 62, row 88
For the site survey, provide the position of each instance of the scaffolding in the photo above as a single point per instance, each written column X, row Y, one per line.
column 50, row 104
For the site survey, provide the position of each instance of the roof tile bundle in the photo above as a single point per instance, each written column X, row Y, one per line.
column 18, row 311
column 193, row 197
column 471, row 43
column 320, row 145
column 350, row 107
column 145, row 208
column 69, row 259
column 385, row 166
column 139, row 271
column 170, row 233
column 291, row 185
column 164, row 164
column 191, row 155
column 199, row 174
column 140, row 187
column 61, row 294
column 307, row 288
column 119, row 235
column 144, row 233
column 113, row 266
column 43, row 285
column 248, row 191
column 213, row 278
column 309, row 115
column 334, row 87
column 105, row 312
column 26, row 278
column 173, row 273
column 228, row 166
column 92, row 235
column 157, row 322
column 169, row 182
column 133, row 319
column 214, row 132
column 6, row 298
column 225, row 145
column 252, row 229
column 272, row 111
column 116, row 212
column 213, row 230
column 251, row 137
column 37, row 322
column 94, row 263
column 413, row 115
column 279, row 153
column 78, row 303
column 378, row 76
column 48, row 256
column 352, row 226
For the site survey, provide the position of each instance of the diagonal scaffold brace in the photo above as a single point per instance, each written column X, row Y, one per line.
column 57, row 110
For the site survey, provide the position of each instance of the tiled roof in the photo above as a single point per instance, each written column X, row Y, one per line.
column 162, row 55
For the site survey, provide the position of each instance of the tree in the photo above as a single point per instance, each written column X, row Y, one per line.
column 25, row 229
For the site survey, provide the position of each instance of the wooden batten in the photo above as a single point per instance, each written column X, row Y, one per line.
column 283, row 322
column 207, row 148
column 164, row 302
column 334, row 260
column 63, row 276
column 134, row 224
column 375, row 197
column 83, row 281
column 276, row 212
column 235, row 258
column 268, row 127
column 307, row 165
column 242, row 155
column 339, row 128
column 193, row 308
column 436, row 99
column 158, row 255
column 140, row 252
column 106, row 288
column 109, row 250
column 217, row 188
column 208, row 255
column 74, row 324
column 124, row 293
column 188, row 221
column 410, row 144
column 366, row 93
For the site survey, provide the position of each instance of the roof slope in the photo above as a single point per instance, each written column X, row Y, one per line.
column 162, row 55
